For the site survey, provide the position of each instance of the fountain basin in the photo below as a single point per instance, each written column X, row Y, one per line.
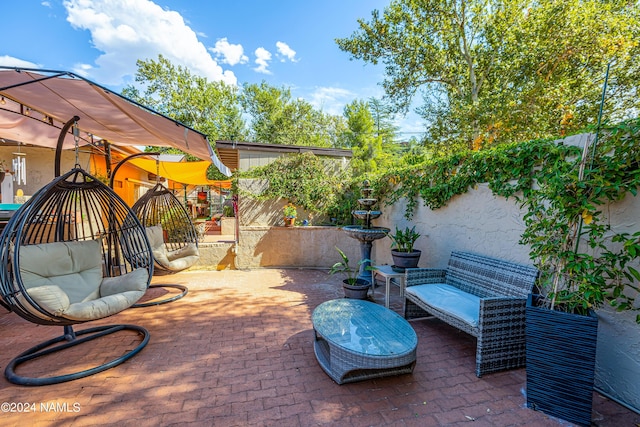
column 365, row 215
column 367, row 202
column 362, row 234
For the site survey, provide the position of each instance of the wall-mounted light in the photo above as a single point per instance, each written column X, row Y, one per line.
column 2, row 101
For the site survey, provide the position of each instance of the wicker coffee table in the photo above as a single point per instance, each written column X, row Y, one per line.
column 357, row 340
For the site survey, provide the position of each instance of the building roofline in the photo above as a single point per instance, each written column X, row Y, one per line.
column 281, row 148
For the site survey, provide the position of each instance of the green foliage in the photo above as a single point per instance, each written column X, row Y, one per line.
column 370, row 135
column 583, row 264
column 289, row 211
column 305, row 180
column 209, row 107
column 343, row 267
column 277, row 118
column 403, row 240
column 227, row 211
column 495, row 72
column 507, row 168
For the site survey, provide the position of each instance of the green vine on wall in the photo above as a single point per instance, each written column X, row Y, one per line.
column 583, row 262
column 507, row 169
column 308, row 181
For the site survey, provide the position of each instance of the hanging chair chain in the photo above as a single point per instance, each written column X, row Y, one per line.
column 158, row 169
column 76, row 139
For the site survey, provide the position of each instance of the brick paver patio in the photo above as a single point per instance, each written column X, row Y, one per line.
column 237, row 351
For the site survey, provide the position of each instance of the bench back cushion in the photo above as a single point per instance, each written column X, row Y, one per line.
column 486, row 277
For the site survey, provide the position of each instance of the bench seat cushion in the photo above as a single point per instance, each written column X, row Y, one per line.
column 449, row 299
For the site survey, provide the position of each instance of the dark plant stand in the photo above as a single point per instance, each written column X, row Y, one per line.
column 561, row 355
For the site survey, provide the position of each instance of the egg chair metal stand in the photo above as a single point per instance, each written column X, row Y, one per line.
column 73, row 253
column 172, row 234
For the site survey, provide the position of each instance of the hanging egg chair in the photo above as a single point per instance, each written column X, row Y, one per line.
column 73, row 253
column 172, row 235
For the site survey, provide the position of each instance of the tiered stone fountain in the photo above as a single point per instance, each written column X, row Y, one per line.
column 366, row 233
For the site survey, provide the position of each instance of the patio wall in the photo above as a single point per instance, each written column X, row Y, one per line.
column 298, row 247
column 476, row 221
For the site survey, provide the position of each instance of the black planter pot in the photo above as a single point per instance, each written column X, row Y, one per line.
column 561, row 356
column 359, row 290
column 402, row 260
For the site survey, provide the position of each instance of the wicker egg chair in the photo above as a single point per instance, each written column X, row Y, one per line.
column 73, row 253
column 172, row 234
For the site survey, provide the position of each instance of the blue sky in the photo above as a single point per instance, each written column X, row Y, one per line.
column 284, row 42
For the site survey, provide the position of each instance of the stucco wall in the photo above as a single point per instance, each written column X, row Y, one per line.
column 300, row 247
column 618, row 351
column 476, row 221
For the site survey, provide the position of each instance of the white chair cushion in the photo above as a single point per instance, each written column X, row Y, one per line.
column 450, row 299
column 49, row 297
column 74, row 267
column 190, row 250
column 133, row 281
column 156, row 237
column 180, row 263
column 54, row 275
column 171, row 260
column 117, row 293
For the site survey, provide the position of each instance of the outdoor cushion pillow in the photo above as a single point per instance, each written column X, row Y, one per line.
column 74, row 267
column 156, row 237
column 189, row 250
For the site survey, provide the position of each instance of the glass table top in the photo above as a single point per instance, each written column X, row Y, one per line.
column 364, row 327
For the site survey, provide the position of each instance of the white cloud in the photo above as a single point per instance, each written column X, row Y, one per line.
column 331, row 100
column 231, row 54
column 263, row 56
column 128, row 30
column 285, row 51
column 10, row 61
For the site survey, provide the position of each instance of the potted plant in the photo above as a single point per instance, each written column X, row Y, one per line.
column 290, row 213
column 583, row 265
column 402, row 251
column 354, row 287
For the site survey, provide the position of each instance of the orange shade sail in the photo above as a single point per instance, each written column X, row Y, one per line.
column 190, row 173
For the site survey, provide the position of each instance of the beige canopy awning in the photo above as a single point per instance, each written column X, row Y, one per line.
column 35, row 105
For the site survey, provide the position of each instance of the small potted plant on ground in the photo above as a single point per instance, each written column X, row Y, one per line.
column 402, row 251
column 353, row 286
column 290, row 213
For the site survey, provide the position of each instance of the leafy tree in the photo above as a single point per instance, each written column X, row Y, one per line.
column 361, row 137
column 383, row 117
column 209, row 107
column 493, row 71
column 277, row 118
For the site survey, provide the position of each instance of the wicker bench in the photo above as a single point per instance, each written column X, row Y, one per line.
column 484, row 297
